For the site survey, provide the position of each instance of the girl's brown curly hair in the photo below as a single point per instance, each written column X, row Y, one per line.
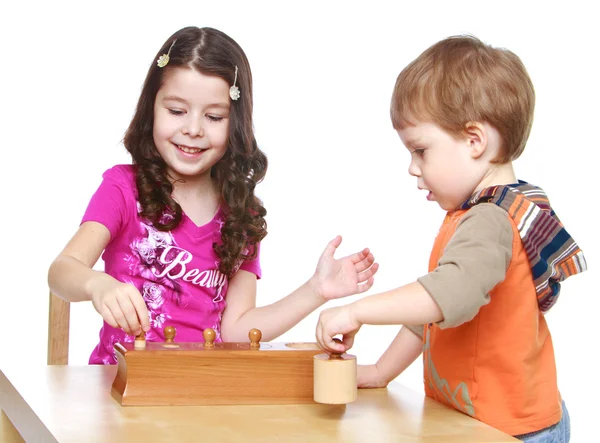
column 210, row 52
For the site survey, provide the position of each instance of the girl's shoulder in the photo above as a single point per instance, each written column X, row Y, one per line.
column 124, row 174
column 119, row 180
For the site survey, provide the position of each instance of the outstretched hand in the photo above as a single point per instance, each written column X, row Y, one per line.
column 336, row 278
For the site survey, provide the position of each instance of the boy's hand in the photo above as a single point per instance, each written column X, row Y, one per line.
column 368, row 376
column 121, row 306
column 345, row 276
column 334, row 321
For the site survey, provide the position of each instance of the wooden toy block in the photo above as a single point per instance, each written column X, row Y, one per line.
column 335, row 378
column 209, row 373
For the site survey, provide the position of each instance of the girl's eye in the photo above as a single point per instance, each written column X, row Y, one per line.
column 215, row 118
column 419, row 152
column 175, row 111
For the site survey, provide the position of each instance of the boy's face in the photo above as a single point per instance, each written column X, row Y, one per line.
column 442, row 164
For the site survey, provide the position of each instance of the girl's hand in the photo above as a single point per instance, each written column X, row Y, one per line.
column 368, row 376
column 345, row 276
column 335, row 321
column 120, row 305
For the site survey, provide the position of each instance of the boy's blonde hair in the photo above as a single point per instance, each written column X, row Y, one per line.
column 460, row 80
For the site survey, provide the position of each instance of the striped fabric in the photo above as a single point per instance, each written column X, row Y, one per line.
column 553, row 254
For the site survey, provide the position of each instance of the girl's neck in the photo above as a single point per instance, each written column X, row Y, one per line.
column 200, row 187
column 198, row 197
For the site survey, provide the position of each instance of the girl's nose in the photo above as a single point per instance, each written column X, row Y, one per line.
column 193, row 128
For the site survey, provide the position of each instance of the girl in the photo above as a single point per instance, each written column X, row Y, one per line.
column 181, row 227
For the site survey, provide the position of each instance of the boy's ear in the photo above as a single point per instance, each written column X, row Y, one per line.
column 476, row 138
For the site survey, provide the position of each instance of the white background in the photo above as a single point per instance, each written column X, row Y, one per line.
column 323, row 77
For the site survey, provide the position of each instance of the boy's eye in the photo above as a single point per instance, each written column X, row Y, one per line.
column 419, row 151
column 175, row 111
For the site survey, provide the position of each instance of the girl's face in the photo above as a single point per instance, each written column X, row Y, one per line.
column 191, row 121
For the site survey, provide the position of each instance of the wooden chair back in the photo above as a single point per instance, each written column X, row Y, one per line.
column 58, row 331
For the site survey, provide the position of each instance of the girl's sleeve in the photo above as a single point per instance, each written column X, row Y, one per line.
column 254, row 264
column 110, row 204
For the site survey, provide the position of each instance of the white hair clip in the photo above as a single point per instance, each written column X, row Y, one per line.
column 234, row 91
column 163, row 60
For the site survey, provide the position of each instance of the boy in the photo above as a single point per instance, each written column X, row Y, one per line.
column 464, row 111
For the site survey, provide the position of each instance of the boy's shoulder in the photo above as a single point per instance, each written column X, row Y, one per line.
column 487, row 221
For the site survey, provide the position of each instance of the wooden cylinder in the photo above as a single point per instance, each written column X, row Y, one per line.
column 335, row 378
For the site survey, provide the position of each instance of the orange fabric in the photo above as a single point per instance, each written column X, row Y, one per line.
column 498, row 367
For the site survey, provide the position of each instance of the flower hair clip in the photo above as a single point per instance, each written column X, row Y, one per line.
column 163, row 60
column 234, row 91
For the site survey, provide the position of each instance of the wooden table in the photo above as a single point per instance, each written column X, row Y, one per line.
column 73, row 404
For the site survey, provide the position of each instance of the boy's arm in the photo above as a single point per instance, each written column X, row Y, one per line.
column 409, row 304
column 475, row 260
column 401, row 353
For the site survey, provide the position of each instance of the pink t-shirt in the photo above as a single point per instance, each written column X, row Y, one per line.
column 176, row 272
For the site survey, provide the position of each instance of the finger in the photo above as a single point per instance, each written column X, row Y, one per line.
column 130, row 315
column 365, row 286
column 327, row 341
column 109, row 318
column 117, row 313
column 359, row 256
column 336, row 345
column 141, row 310
column 365, row 263
column 368, row 274
column 375, row 268
column 333, row 245
column 348, row 340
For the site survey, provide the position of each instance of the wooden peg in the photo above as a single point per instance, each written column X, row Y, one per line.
column 254, row 335
column 170, row 333
column 140, row 341
column 209, row 335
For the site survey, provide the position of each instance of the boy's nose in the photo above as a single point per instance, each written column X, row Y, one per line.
column 413, row 169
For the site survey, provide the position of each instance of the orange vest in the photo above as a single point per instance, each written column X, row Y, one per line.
column 499, row 367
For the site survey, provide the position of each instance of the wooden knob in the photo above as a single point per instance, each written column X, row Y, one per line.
column 254, row 335
column 209, row 335
column 140, row 341
column 169, row 332
column 336, row 355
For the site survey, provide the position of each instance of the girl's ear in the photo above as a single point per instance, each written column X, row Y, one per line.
column 476, row 138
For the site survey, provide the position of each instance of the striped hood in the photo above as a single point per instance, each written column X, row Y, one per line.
column 553, row 254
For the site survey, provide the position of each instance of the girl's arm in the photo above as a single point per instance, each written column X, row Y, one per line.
column 401, row 353
column 332, row 279
column 72, row 278
column 241, row 313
